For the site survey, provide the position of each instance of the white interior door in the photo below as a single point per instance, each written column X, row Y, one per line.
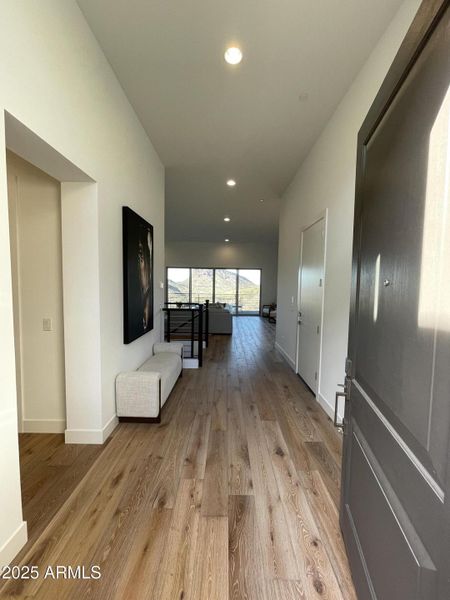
column 310, row 303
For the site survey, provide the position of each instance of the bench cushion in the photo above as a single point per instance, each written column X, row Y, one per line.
column 137, row 394
column 176, row 347
column 168, row 364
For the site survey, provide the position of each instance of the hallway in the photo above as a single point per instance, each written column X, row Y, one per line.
column 233, row 495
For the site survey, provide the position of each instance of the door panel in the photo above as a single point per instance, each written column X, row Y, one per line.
column 310, row 312
column 398, row 363
column 422, row 502
column 370, row 494
column 395, row 502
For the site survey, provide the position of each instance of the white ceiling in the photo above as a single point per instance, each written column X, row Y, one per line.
column 209, row 121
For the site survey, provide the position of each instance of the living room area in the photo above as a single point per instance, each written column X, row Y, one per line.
column 236, row 278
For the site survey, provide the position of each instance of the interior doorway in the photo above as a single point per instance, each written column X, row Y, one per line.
column 310, row 302
column 76, row 195
column 80, row 282
column 34, row 202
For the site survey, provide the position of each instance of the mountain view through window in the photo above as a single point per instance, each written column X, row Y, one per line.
column 239, row 289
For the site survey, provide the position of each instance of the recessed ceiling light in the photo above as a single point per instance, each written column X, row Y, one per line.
column 227, row 219
column 231, row 183
column 233, row 55
column 227, row 240
column 262, row 200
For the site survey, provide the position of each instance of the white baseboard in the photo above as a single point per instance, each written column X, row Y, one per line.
column 327, row 407
column 109, row 427
column 285, row 355
column 43, row 425
column 14, row 544
column 91, row 436
column 190, row 363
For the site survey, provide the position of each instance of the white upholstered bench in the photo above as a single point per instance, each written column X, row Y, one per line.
column 141, row 394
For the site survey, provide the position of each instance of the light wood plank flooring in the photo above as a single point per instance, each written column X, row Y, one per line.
column 50, row 471
column 233, row 496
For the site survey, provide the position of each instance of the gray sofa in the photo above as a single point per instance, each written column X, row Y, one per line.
column 220, row 319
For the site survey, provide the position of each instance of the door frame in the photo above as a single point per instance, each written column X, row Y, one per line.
column 422, row 27
column 48, row 425
column 80, row 280
column 323, row 215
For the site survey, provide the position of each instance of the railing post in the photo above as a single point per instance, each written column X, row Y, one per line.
column 168, row 324
column 192, row 333
column 207, row 322
column 200, row 335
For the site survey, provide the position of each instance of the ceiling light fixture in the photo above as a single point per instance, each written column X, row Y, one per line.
column 233, row 55
column 227, row 219
column 227, row 240
column 231, row 183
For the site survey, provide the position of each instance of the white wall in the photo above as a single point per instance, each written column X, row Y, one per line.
column 55, row 80
column 326, row 180
column 82, row 317
column 35, row 228
column 13, row 531
column 234, row 255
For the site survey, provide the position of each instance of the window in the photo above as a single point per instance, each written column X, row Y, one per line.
column 202, row 282
column 249, row 291
column 178, row 284
column 240, row 289
column 225, row 287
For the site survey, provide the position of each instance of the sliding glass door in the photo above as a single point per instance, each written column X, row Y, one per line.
column 202, row 283
column 226, row 287
column 239, row 289
column 249, row 291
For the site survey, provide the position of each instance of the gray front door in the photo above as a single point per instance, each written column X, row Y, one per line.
column 395, row 510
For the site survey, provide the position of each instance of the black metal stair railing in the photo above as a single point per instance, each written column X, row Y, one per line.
column 187, row 323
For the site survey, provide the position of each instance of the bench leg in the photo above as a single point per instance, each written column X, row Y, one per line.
column 182, row 354
column 140, row 419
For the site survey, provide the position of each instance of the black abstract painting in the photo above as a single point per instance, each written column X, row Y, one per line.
column 137, row 275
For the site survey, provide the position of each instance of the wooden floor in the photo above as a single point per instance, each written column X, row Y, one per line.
column 50, row 471
column 234, row 495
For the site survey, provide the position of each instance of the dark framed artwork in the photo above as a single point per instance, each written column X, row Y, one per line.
column 137, row 275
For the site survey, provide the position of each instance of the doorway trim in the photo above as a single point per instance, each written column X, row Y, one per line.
column 81, row 281
column 323, row 215
column 48, row 190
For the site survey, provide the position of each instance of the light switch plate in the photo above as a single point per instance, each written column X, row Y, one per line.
column 47, row 324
